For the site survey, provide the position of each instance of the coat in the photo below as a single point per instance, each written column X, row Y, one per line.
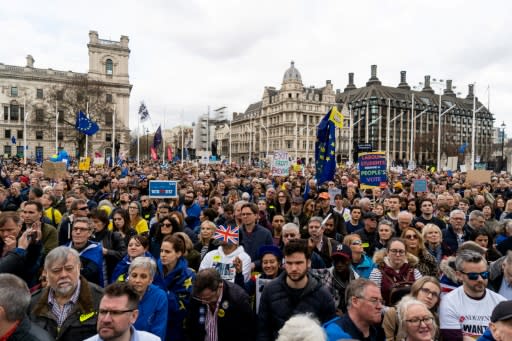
column 153, row 312
column 81, row 321
column 236, row 323
column 278, row 304
column 29, row 331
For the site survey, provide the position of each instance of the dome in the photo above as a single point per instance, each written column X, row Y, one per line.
column 292, row 74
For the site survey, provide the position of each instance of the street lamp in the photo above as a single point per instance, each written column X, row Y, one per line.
column 503, row 125
column 147, row 142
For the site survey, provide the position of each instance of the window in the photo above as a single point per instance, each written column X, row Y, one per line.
column 14, row 112
column 39, row 135
column 289, row 144
column 108, row 119
column 60, row 95
column 61, row 116
column 14, row 91
column 108, row 137
column 39, row 115
column 7, row 133
column 289, row 95
column 7, row 150
column 60, row 136
column 39, row 93
column 109, row 98
column 6, row 113
column 109, row 67
column 19, row 151
column 19, row 134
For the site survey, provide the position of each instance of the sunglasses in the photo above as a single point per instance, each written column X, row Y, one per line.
column 167, row 224
column 85, row 208
column 411, row 236
column 473, row 276
column 356, row 242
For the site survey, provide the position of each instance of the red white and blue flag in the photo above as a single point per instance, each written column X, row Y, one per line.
column 227, row 235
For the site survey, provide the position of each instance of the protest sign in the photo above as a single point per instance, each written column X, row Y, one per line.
column 478, row 176
column 372, row 169
column 54, row 170
column 420, row 185
column 280, row 163
column 84, row 164
column 163, row 189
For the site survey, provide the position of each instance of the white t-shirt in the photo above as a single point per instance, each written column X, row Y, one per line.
column 224, row 263
column 459, row 311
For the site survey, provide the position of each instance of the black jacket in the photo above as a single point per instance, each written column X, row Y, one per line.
column 29, row 331
column 450, row 237
column 279, row 302
column 235, row 318
column 114, row 242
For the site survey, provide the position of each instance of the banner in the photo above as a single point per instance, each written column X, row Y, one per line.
column 280, row 163
column 84, row 164
column 54, row 170
column 372, row 169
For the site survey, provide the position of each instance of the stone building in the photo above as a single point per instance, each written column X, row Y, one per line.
column 49, row 100
column 374, row 104
column 284, row 119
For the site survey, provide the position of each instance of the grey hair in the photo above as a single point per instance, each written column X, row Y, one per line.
column 239, row 203
column 145, row 263
column 457, row 211
column 507, row 226
column 405, row 214
column 364, row 201
column 508, row 258
column 356, row 288
column 302, row 327
column 290, row 226
column 402, row 308
column 89, row 222
column 60, row 253
column 387, row 223
column 476, row 214
column 317, row 219
column 14, row 297
column 467, row 256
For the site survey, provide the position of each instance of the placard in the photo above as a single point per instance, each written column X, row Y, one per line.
column 54, row 170
column 84, row 164
column 420, row 185
column 163, row 189
column 260, row 285
column 372, row 169
column 478, row 176
column 280, row 163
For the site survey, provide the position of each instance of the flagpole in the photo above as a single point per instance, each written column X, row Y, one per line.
column 163, row 141
column 113, row 154
column 56, row 127
column 350, row 142
column 138, row 139
column 86, row 136
column 25, row 131
column 182, row 138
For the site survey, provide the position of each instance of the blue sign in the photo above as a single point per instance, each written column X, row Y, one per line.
column 163, row 189
column 420, row 185
column 372, row 170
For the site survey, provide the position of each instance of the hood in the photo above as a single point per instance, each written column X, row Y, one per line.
column 447, row 266
column 380, row 258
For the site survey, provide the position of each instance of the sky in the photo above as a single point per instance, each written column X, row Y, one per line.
column 189, row 55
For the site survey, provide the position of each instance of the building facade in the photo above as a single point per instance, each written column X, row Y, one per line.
column 45, row 102
column 285, row 119
column 384, row 115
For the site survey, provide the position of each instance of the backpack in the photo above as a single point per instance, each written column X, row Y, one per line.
column 399, row 289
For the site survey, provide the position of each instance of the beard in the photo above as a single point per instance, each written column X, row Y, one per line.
column 188, row 202
column 297, row 277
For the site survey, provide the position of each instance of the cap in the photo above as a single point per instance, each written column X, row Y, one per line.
column 342, row 250
column 324, row 195
column 265, row 249
column 502, row 312
column 297, row 200
column 370, row 215
column 398, row 185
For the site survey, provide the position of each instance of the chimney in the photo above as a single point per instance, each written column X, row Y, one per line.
column 373, row 79
column 30, row 61
column 448, row 91
column 327, row 82
column 403, row 81
column 470, row 92
column 350, row 85
column 426, row 87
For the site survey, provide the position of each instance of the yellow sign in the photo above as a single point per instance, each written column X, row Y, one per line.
column 85, row 163
column 336, row 117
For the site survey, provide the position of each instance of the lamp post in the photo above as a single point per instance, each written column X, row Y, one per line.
column 266, row 132
column 147, row 143
column 502, row 145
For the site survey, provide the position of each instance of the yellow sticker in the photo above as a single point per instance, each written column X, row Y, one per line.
column 216, row 258
column 85, row 317
column 221, row 313
column 365, row 245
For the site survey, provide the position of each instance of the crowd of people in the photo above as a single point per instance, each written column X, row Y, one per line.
column 240, row 254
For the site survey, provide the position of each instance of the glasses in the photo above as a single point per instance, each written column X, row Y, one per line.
column 429, row 292
column 373, row 300
column 411, row 236
column 356, row 242
column 397, row 251
column 134, row 207
column 416, row 322
column 473, row 276
column 167, row 224
column 289, row 235
column 114, row 313
column 81, row 229
column 212, row 299
column 85, row 208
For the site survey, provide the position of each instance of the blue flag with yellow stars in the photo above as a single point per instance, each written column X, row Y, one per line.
column 325, row 150
column 85, row 125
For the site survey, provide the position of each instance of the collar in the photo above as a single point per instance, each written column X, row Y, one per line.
column 11, row 331
column 73, row 299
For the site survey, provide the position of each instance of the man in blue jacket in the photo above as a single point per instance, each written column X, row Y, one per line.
column 252, row 235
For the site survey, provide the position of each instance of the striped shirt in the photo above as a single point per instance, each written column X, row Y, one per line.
column 61, row 313
column 211, row 322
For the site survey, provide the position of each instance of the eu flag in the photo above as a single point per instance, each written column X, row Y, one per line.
column 325, row 150
column 85, row 125
column 157, row 139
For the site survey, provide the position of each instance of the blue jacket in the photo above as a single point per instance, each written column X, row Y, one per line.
column 193, row 213
column 344, row 328
column 365, row 267
column 487, row 336
column 252, row 242
column 153, row 312
column 178, row 286
column 120, row 273
column 91, row 258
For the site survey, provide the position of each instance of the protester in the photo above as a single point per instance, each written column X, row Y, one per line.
column 417, row 321
column 361, row 263
column 500, row 327
column 137, row 246
column 137, row 222
column 427, row 264
column 121, row 224
column 302, row 327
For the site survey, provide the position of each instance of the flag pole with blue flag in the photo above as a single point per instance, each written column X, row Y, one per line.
column 325, row 149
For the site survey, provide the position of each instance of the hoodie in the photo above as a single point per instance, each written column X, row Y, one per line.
column 224, row 263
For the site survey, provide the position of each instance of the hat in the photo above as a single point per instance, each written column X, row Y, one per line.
column 297, row 200
column 398, row 184
column 342, row 250
column 502, row 312
column 266, row 249
column 370, row 215
column 324, row 195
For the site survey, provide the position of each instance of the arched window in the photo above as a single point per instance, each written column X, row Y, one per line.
column 109, row 67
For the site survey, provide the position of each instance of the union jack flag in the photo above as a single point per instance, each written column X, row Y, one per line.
column 228, row 235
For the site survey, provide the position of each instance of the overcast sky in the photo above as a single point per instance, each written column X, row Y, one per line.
column 188, row 55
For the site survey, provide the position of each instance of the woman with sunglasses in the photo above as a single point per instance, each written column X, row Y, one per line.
column 414, row 245
column 165, row 227
column 395, row 270
column 426, row 290
column 361, row 263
